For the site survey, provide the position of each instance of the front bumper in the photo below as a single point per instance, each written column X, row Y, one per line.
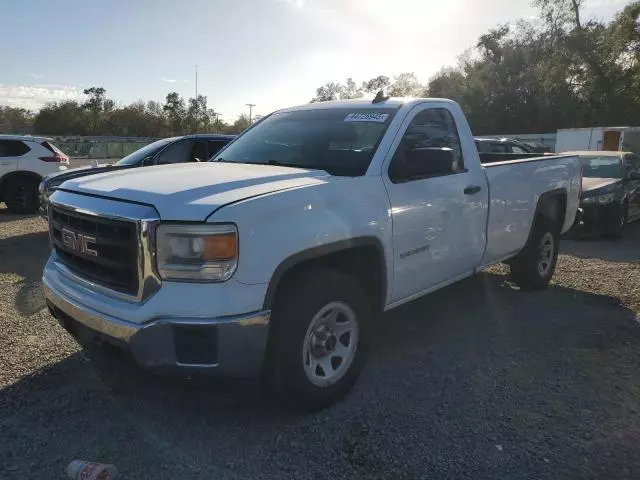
column 598, row 217
column 230, row 345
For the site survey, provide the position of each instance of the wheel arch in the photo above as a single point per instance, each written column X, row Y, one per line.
column 553, row 206
column 6, row 179
column 351, row 256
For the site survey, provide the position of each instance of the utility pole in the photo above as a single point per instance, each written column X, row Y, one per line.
column 197, row 104
column 250, row 105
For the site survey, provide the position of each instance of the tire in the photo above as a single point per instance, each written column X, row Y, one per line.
column 618, row 231
column 21, row 195
column 309, row 362
column 533, row 267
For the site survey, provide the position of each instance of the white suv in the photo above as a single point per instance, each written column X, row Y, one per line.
column 24, row 162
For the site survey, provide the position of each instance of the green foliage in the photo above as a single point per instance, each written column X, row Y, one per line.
column 405, row 84
column 99, row 115
column 535, row 77
column 15, row 120
column 567, row 73
column 531, row 77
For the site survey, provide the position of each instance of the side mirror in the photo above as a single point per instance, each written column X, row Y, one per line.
column 148, row 161
column 425, row 162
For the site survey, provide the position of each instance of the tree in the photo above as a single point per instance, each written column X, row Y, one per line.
column 405, row 85
column 337, row 91
column 376, row 84
column 176, row 113
column 327, row 92
column 15, row 120
column 197, row 114
column 95, row 105
column 64, row 118
column 241, row 124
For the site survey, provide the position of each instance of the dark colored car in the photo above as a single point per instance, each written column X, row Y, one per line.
column 610, row 191
column 188, row 148
column 502, row 145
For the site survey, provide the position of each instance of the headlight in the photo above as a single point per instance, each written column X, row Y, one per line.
column 606, row 198
column 202, row 253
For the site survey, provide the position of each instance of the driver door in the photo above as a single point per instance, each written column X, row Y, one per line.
column 439, row 222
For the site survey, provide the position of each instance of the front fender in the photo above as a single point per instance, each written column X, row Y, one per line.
column 276, row 226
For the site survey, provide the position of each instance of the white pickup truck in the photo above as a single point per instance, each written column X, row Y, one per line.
column 278, row 255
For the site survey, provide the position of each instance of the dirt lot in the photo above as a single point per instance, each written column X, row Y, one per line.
column 476, row 381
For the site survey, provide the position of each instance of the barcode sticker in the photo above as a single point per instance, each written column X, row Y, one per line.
column 366, row 117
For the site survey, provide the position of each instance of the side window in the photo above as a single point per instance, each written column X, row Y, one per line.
column 517, row 149
column 632, row 164
column 482, row 147
column 199, row 151
column 178, row 152
column 215, row 146
column 432, row 128
column 499, row 148
column 13, row 148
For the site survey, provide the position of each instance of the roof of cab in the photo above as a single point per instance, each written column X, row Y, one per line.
column 208, row 136
column 26, row 138
column 394, row 102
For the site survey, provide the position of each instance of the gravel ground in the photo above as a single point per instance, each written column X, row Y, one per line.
column 478, row 380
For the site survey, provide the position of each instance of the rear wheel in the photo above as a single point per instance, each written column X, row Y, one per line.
column 319, row 338
column 533, row 267
column 21, row 195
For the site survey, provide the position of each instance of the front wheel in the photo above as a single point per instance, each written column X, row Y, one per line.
column 21, row 195
column 533, row 267
column 319, row 338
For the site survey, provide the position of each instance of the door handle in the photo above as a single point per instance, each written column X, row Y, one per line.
column 472, row 189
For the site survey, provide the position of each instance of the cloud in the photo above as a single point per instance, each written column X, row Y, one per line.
column 37, row 76
column 33, row 97
column 165, row 79
column 295, row 3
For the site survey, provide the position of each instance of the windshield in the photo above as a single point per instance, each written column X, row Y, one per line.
column 340, row 141
column 144, row 152
column 601, row 167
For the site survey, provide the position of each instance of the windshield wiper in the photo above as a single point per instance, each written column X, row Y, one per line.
column 296, row 165
column 278, row 163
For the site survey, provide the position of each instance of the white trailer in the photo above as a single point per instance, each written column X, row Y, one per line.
column 599, row 138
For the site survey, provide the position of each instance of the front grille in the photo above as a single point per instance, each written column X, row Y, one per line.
column 110, row 260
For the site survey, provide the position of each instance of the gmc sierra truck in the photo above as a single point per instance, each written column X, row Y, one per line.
column 277, row 256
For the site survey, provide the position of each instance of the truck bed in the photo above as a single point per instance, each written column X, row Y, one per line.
column 514, row 188
column 488, row 158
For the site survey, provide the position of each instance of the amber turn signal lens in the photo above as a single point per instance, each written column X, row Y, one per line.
column 220, row 247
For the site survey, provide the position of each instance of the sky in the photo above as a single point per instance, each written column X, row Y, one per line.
column 272, row 53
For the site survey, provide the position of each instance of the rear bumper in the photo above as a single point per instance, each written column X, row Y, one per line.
column 231, row 345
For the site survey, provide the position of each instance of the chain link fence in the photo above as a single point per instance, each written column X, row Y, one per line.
column 100, row 147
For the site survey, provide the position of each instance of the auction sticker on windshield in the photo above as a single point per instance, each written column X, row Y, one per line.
column 366, row 117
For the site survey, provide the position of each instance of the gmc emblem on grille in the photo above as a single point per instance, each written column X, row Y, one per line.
column 78, row 242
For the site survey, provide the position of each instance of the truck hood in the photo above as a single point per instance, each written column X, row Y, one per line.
column 592, row 184
column 192, row 192
column 55, row 179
